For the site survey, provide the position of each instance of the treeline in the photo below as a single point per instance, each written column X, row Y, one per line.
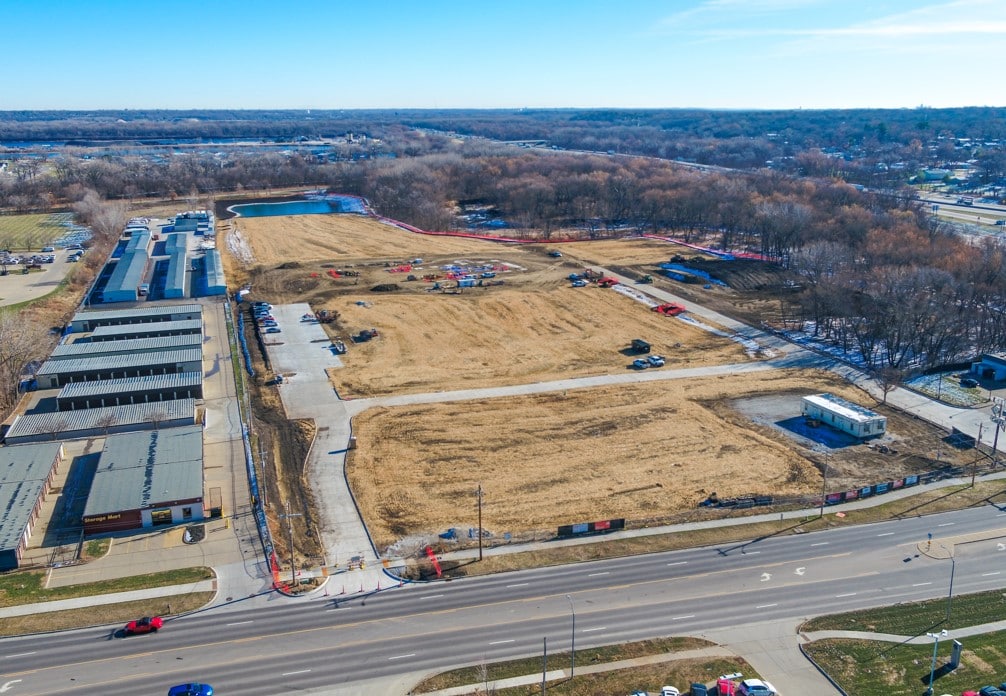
column 878, row 274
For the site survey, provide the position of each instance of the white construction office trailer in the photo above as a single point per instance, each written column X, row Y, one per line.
column 844, row 415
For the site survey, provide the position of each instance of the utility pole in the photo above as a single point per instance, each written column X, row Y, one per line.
column 289, row 528
column 263, row 490
column 572, row 638
column 824, row 486
column 478, row 495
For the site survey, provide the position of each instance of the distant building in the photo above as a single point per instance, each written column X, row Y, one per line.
column 844, row 415
column 991, row 367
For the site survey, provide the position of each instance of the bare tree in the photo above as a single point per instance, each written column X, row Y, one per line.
column 156, row 417
column 107, row 421
column 21, row 342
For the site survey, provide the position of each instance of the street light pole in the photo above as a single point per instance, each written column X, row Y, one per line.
column 824, row 486
column 289, row 528
column 932, row 669
column 572, row 638
column 950, row 593
column 478, row 494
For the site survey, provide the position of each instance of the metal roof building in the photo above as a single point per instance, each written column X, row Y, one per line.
column 147, row 479
column 191, row 220
column 57, row 373
column 843, row 415
column 162, row 328
column 130, row 390
column 129, row 269
column 89, row 321
column 97, row 422
column 26, row 475
column 216, row 283
column 178, row 263
column 87, row 349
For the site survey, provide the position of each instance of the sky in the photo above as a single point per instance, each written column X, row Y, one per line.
column 335, row 54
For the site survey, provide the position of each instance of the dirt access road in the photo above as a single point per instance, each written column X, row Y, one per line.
column 647, row 452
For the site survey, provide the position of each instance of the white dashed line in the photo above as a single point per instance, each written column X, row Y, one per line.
column 238, row 623
column 945, row 524
column 679, row 618
column 20, row 654
column 677, row 563
column 921, row 584
column 299, row 671
column 402, row 657
column 995, row 572
column 501, row 642
column 594, row 575
column 821, row 543
column 432, row 596
column 519, row 584
column 886, row 534
column 766, row 606
column 847, row 594
column 589, row 630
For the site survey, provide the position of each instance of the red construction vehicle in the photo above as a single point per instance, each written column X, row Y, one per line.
column 669, row 309
column 607, row 282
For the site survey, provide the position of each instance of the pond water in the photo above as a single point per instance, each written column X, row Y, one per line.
column 325, row 206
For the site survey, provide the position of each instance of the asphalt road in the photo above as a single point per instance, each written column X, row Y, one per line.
column 317, row 644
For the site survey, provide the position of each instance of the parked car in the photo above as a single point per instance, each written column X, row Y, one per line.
column 669, row 691
column 969, row 383
column 581, row 283
column 148, row 624
column 47, row 249
column 655, row 360
column 640, row 364
column 990, row 691
column 191, row 690
column 697, row 689
column 640, row 346
column 273, row 329
column 555, row 254
column 755, row 687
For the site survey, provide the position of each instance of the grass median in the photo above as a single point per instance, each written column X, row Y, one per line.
column 678, row 671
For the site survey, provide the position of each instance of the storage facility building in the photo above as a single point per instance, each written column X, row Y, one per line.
column 89, row 321
column 89, row 349
column 147, row 479
column 58, row 373
column 844, row 415
column 991, row 367
column 131, row 390
column 216, row 283
column 193, row 220
column 178, row 263
column 129, row 270
column 98, row 422
column 26, row 476
column 188, row 327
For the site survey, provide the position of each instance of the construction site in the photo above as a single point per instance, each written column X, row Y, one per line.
column 412, row 314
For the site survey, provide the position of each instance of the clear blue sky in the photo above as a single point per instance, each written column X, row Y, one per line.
column 115, row 54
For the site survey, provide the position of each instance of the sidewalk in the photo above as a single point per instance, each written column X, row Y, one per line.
column 112, row 598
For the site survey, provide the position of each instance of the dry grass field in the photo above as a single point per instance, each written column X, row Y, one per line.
column 533, row 330
column 640, row 452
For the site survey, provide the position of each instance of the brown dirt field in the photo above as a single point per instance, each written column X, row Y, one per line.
column 625, row 252
column 345, row 237
column 536, row 331
column 636, row 452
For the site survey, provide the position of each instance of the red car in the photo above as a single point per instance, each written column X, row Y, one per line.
column 148, row 624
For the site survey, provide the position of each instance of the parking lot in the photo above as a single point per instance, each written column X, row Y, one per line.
column 16, row 287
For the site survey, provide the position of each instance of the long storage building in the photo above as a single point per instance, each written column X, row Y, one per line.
column 89, row 349
column 58, row 373
column 26, row 476
column 98, row 422
column 89, row 321
column 130, row 390
column 186, row 327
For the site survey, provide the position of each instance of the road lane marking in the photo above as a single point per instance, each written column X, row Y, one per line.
column 21, row 654
column 239, row 623
column 299, row 671
column 984, row 575
column 402, row 657
column 432, row 596
column 821, row 543
column 679, row 618
column 519, row 584
column 766, row 606
column 945, row 524
column 750, row 553
column 501, row 642
column 921, row 584
column 886, row 534
column 594, row 575
column 847, row 594
column 588, row 630
column 677, row 563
